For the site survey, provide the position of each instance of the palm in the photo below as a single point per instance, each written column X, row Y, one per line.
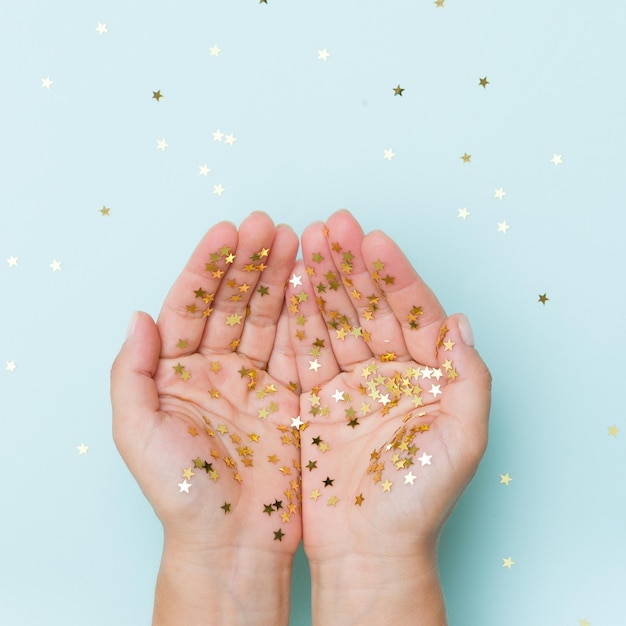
column 219, row 454
column 379, row 458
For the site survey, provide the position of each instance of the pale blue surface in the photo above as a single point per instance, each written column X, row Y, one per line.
column 78, row 542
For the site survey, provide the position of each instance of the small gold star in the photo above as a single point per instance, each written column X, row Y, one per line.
column 439, row 3
column 613, row 430
column 543, row 298
column 359, row 500
column 397, row 91
column 105, row 211
column 226, row 507
column 233, row 320
column 483, row 82
column 278, row 535
column 466, row 158
column 315, row 494
column 187, row 473
column 387, row 485
column 332, row 501
column 157, row 95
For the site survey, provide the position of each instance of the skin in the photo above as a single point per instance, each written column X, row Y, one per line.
column 212, row 558
column 374, row 561
column 371, row 563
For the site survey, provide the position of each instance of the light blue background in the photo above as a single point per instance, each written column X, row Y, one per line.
column 78, row 542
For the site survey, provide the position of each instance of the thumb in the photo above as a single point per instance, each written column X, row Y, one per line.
column 466, row 400
column 134, row 396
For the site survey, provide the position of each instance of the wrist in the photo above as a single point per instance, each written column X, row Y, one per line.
column 230, row 585
column 364, row 589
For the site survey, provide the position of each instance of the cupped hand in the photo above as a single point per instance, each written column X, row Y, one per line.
column 395, row 398
column 203, row 400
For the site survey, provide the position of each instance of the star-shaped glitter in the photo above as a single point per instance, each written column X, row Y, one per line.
column 323, row 55
column 278, row 535
column 105, row 210
column 584, row 622
column 499, row 193
column 483, row 82
column 12, row 261
column 230, row 139
column 203, row 170
column 46, row 83
column 425, row 459
column 467, row 158
column 557, row 159
column 503, row 227
column 338, row 395
column 613, row 430
column 214, row 50
column 82, row 449
column 409, row 478
column 508, row 562
column 219, row 189
column 543, row 298
column 295, row 280
column 505, row 479
column 10, row 366
column 463, row 213
column 296, row 422
column 55, row 265
column 435, row 390
column 439, row 3
column 397, row 91
column 162, row 144
column 314, row 365
column 218, row 135
column 388, row 154
column 226, row 507
column 157, row 95
column 233, row 320
column 101, row 28
column 184, row 486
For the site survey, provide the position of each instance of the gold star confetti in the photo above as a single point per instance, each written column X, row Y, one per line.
column 387, row 485
column 508, row 562
column 613, row 430
column 315, row 494
column 82, row 449
column 397, row 91
column 105, row 211
column 233, row 320
column 10, row 366
column 157, row 95
column 584, row 622
column 359, row 500
column 543, row 298
column 226, row 507
column 467, row 158
column 483, row 82
column 278, row 535
column 439, row 3
column 332, row 501
column 188, row 473
column 505, row 479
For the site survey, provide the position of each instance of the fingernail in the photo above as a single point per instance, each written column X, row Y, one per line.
column 131, row 324
column 466, row 331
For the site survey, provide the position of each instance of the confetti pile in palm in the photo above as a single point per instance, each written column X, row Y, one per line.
column 204, row 401
column 394, row 402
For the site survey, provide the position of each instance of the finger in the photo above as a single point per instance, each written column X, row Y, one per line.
column 268, row 299
column 334, row 303
column 466, row 399
column 226, row 322
column 410, row 301
column 188, row 305
column 365, row 285
column 134, row 396
column 282, row 361
column 308, row 332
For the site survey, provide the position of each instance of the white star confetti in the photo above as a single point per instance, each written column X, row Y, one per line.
column 314, row 365
column 557, row 159
column 409, row 478
column 82, row 449
column 435, row 390
column 204, row 169
column 12, row 261
column 55, row 265
column 388, row 154
column 46, row 82
column 10, row 366
column 425, row 459
column 323, row 55
column 229, row 140
column 218, row 190
column 101, row 28
column 503, row 227
column 218, row 135
column 296, row 422
column 162, row 144
column 499, row 193
column 295, row 280
column 338, row 395
column 215, row 51
column 184, row 486
column 463, row 213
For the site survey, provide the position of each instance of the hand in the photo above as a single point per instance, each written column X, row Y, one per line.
column 395, row 403
column 202, row 408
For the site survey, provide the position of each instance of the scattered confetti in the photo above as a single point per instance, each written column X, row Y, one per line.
column 389, row 154
column 162, row 145
column 499, row 193
column 46, row 83
column 323, row 55
column 508, row 562
column 157, row 95
column 12, row 261
column 55, row 265
column 101, row 29
column 105, row 211
column 397, row 91
column 218, row 189
column 466, row 158
column 82, row 449
column 483, row 82
column 203, row 170
column 463, row 213
column 557, row 159
column 503, row 227
column 543, row 298
column 505, row 479
column 215, row 50
column 613, row 430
